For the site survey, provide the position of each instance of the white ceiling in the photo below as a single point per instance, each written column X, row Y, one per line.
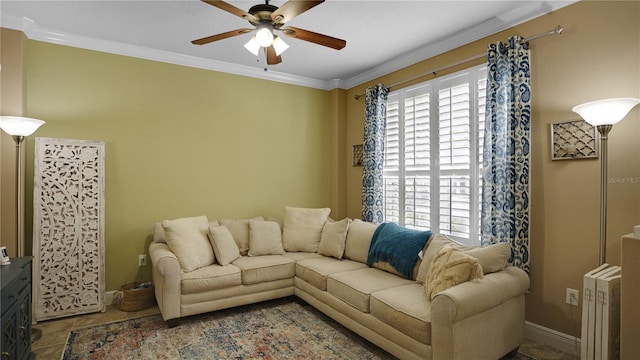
column 382, row 36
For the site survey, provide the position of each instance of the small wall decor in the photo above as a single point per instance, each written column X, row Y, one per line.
column 575, row 139
column 357, row 155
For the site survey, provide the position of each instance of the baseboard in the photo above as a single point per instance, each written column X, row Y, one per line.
column 553, row 338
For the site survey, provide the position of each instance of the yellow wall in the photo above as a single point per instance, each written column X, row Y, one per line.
column 184, row 142
column 12, row 102
column 597, row 56
column 180, row 141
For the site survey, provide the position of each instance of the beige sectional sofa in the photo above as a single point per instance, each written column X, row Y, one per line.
column 325, row 264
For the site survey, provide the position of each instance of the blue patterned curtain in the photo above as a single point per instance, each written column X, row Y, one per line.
column 375, row 123
column 505, row 187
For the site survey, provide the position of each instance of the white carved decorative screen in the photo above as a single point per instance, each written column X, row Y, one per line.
column 68, row 228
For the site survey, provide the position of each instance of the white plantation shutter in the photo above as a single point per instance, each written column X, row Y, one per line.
column 391, row 170
column 431, row 170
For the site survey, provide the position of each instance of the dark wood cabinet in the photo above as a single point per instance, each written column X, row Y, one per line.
column 15, row 303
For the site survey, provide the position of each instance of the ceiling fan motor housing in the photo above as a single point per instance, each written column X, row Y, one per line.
column 263, row 13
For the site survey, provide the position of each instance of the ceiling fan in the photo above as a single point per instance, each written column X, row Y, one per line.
column 266, row 19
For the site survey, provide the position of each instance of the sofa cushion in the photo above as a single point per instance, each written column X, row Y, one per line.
column 355, row 287
column 333, row 238
column 209, row 278
column 315, row 271
column 303, row 228
column 358, row 240
column 187, row 239
column 240, row 231
column 405, row 308
column 492, row 258
column 159, row 235
column 398, row 247
column 224, row 247
column 297, row 256
column 449, row 268
column 257, row 269
column 265, row 238
column 434, row 245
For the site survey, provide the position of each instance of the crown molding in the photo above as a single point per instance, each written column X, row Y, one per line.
column 496, row 24
column 469, row 35
column 35, row 32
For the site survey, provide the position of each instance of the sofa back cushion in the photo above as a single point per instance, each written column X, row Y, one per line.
column 491, row 258
column 187, row 239
column 160, row 237
column 358, row 240
column 434, row 245
column 303, row 228
column 239, row 229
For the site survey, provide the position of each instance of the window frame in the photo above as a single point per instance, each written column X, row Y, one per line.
column 471, row 76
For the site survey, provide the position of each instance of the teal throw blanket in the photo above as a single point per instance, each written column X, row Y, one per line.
column 397, row 246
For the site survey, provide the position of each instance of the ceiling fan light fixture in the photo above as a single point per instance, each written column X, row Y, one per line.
column 253, row 46
column 279, row 45
column 264, row 36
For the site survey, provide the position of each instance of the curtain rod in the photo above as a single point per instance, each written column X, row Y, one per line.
column 557, row 31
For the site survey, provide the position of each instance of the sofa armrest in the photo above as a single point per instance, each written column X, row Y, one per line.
column 468, row 316
column 166, row 272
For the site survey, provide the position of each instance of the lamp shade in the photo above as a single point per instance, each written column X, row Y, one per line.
column 279, row 45
column 19, row 126
column 606, row 111
column 253, row 46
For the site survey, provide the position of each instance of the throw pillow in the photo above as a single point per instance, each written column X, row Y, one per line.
column 433, row 246
column 187, row 239
column 334, row 237
column 303, row 228
column 449, row 268
column 239, row 229
column 492, row 258
column 265, row 238
column 224, row 247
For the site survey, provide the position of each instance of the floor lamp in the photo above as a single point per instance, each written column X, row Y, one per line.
column 603, row 114
column 19, row 128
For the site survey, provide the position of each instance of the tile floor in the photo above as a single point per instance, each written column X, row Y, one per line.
column 55, row 332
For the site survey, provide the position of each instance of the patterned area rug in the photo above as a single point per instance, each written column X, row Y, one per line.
column 279, row 329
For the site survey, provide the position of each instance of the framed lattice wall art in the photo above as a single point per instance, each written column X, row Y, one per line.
column 68, row 228
column 357, row 155
column 575, row 139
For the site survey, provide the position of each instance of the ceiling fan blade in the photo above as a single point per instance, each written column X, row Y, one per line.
column 224, row 35
column 231, row 9
column 314, row 37
column 272, row 58
column 291, row 9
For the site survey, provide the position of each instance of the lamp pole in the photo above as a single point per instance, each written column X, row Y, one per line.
column 604, row 137
column 19, row 139
column 603, row 114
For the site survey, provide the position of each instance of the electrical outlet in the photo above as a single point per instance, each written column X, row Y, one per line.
column 142, row 260
column 572, row 297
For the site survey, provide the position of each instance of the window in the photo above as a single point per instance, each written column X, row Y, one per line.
column 433, row 155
